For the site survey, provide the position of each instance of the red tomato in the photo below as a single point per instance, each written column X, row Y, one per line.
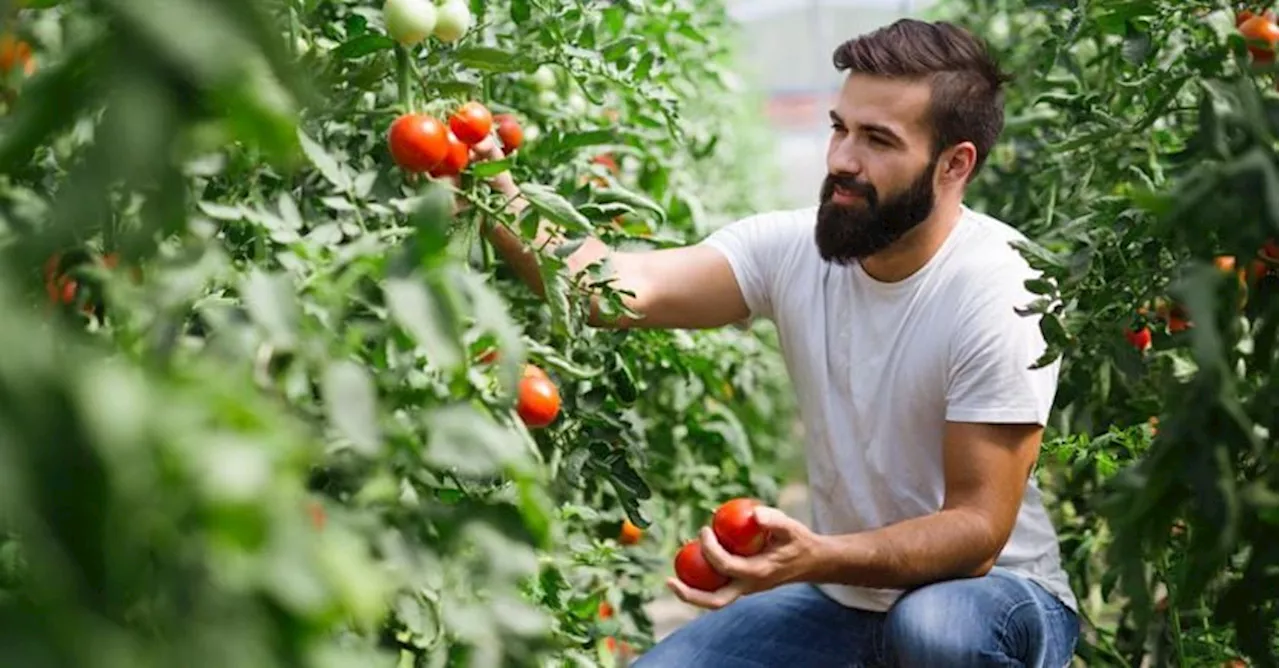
column 510, row 132
column 318, row 516
column 606, row 159
column 736, row 527
column 1269, row 250
column 1257, row 269
column 630, row 534
column 693, row 570
column 13, row 52
column 418, row 142
column 538, row 400
column 1140, row 339
column 1263, row 34
column 455, row 160
column 60, row 288
column 1245, row 14
column 487, row 356
column 605, row 610
column 471, row 123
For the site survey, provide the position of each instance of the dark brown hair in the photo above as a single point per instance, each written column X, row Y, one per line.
column 966, row 102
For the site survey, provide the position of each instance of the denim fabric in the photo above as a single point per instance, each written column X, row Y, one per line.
column 1000, row 619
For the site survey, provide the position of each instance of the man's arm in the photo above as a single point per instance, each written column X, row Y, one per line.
column 986, row 468
column 676, row 288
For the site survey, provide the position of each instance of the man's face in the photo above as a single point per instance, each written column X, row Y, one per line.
column 880, row 168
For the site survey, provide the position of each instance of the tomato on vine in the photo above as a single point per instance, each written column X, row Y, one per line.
column 418, row 142
column 510, row 132
column 409, row 21
column 453, row 20
column 538, row 398
column 455, row 160
column 630, row 534
column 471, row 122
column 1139, row 338
column 1261, row 32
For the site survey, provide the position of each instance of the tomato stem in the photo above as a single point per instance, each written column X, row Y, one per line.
column 404, row 69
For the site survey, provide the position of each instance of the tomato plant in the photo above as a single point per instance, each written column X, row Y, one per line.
column 1140, row 154
column 267, row 224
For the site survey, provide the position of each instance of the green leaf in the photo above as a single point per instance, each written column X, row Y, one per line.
column 328, row 166
column 492, row 59
column 619, row 194
column 351, row 405
column 490, row 168
column 363, row 45
column 271, row 304
column 550, row 204
column 520, row 11
column 431, row 217
column 414, row 308
column 463, row 440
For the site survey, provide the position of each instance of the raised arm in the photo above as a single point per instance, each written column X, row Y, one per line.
column 677, row 288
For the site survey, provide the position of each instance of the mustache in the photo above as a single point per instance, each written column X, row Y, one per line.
column 849, row 183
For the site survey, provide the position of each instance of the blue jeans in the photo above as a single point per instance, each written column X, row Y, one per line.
column 1000, row 619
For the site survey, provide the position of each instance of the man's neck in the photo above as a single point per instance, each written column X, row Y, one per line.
column 914, row 250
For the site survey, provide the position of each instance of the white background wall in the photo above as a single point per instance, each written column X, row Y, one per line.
column 786, row 52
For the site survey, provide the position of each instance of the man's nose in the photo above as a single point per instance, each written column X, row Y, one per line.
column 842, row 158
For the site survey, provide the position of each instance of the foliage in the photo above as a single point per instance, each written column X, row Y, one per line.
column 1140, row 154
column 243, row 414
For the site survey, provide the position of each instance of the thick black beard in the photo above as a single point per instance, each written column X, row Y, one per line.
column 848, row 233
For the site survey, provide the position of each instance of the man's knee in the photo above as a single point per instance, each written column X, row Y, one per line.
column 943, row 625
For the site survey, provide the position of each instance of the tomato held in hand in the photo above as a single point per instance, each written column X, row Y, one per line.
column 471, row 123
column 693, row 570
column 418, row 142
column 455, row 160
column 736, row 527
column 510, row 132
column 538, row 400
column 409, row 21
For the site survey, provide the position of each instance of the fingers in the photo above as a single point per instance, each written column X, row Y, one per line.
column 487, row 149
column 778, row 523
column 710, row 600
column 725, row 562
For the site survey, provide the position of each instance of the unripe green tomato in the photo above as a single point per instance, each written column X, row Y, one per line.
column 453, row 20
column 544, row 78
column 409, row 21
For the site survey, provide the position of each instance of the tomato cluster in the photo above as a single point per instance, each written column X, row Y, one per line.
column 737, row 530
column 410, row 22
column 421, row 143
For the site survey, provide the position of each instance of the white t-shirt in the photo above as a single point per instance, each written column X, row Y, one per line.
column 878, row 368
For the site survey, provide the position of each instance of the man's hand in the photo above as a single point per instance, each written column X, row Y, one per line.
column 791, row 555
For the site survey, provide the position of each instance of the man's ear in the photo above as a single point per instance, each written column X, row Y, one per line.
column 958, row 162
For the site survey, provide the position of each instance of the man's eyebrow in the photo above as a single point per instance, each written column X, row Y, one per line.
column 868, row 127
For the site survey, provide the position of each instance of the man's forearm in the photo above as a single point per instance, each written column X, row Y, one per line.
column 947, row 544
column 521, row 255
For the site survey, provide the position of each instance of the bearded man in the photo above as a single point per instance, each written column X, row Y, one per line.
column 896, row 308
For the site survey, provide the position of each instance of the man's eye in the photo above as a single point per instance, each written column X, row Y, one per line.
column 836, row 127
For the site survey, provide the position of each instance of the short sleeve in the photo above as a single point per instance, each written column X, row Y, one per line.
column 991, row 379
column 759, row 249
